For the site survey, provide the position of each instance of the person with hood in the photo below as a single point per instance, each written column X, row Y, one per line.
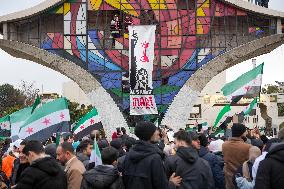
column 20, row 164
column 235, row 152
column 117, row 144
column 105, row 176
column 194, row 171
column 143, row 166
column 215, row 162
column 271, row 170
column 43, row 172
column 74, row 168
column 84, row 151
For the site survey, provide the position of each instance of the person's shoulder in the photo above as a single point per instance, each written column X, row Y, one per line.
column 171, row 158
column 76, row 164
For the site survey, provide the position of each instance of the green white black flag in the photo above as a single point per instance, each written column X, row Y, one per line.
column 86, row 124
column 50, row 118
column 247, row 85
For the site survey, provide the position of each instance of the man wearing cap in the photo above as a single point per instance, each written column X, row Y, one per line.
column 235, row 152
column 143, row 165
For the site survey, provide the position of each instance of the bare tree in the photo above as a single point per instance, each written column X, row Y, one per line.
column 30, row 91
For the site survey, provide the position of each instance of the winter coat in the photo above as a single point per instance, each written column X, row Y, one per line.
column 216, row 164
column 143, row 167
column 102, row 177
column 235, row 152
column 7, row 165
column 44, row 174
column 271, row 170
column 74, row 172
column 194, row 171
column 18, row 168
column 84, row 159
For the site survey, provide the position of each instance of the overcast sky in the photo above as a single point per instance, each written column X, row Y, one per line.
column 13, row 70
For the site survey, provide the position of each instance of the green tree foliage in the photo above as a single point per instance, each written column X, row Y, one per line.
column 11, row 99
column 77, row 111
column 280, row 109
column 269, row 89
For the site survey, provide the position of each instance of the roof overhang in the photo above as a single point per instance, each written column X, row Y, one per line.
column 30, row 11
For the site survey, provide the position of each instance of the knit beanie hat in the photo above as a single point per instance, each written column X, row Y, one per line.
column 238, row 129
column 144, row 130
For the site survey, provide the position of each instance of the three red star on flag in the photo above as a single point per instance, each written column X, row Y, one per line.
column 46, row 121
column 29, row 130
column 62, row 116
column 247, row 88
column 92, row 121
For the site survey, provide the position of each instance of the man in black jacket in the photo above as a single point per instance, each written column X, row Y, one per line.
column 104, row 176
column 194, row 171
column 271, row 170
column 43, row 172
column 143, row 166
column 20, row 164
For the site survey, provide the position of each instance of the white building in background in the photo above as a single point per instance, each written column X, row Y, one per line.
column 211, row 101
column 74, row 93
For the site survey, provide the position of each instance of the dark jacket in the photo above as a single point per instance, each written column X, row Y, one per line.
column 271, row 170
column 143, row 167
column 17, row 170
column 85, row 160
column 194, row 171
column 216, row 164
column 44, row 174
column 102, row 177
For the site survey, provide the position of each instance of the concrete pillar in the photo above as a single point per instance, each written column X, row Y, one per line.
column 5, row 31
column 279, row 26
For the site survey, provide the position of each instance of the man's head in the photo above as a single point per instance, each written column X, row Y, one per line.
column 123, row 130
column 65, row 152
column 182, row 138
column 33, row 150
column 147, row 131
column 203, row 140
column 68, row 137
column 281, row 134
column 254, row 152
column 23, row 158
column 195, row 140
column 95, row 134
column 86, row 147
column 109, row 156
column 239, row 130
column 118, row 131
column 269, row 143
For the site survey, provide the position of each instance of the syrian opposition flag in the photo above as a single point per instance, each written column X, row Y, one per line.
column 96, row 156
column 5, row 126
column 36, row 103
column 219, row 133
column 221, row 114
column 250, row 107
column 17, row 119
column 91, row 121
column 50, row 118
column 247, row 85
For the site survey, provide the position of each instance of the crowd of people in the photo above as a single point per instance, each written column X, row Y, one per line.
column 155, row 159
